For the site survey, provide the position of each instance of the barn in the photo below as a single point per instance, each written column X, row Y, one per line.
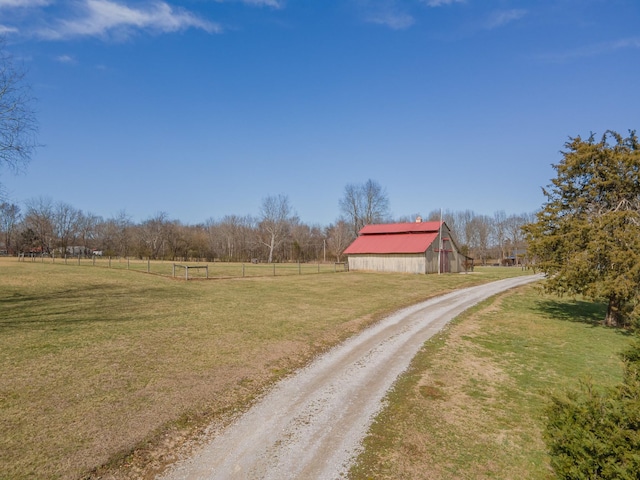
column 420, row 247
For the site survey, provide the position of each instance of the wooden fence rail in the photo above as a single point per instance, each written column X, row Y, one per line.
column 193, row 270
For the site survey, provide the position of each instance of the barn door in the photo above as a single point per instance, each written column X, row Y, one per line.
column 445, row 263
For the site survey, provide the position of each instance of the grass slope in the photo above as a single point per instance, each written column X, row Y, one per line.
column 471, row 405
column 109, row 372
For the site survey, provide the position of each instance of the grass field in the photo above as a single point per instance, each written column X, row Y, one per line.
column 111, row 372
column 472, row 404
column 216, row 270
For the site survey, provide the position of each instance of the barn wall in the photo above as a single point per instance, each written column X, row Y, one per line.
column 456, row 261
column 432, row 257
column 413, row 263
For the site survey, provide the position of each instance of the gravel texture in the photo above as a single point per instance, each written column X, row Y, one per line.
column 311, row 424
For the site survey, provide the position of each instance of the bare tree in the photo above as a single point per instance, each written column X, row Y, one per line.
column 316, row 243
column 230, row 237
column 364, row 204
column 152, row 235
column 482, row 227
column 500, row 232
column 276, row 218
column 9, row 219
column 339, row 236
column 123, row 233
column 115, row 235
column 465, row 232
column 376, row 202
column 66, row 224
column 176, row 238
column 515, row 234
column 351, row 206
column 39, row 220
column 196, row 238
column 447, row 216
column 18, row 125
column 307, row 242
column 88, row 229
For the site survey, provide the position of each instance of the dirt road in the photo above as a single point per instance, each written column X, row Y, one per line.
column 310, row 425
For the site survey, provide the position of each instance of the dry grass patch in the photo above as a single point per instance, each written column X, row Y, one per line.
column 112, row 373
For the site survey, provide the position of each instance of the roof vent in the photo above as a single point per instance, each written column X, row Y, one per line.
column 418, row 219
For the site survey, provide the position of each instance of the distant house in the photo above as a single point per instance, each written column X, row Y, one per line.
column 420, row 247
column 76, row 250
column 517, row 256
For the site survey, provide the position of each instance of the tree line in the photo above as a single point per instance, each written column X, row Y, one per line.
column 276, row 234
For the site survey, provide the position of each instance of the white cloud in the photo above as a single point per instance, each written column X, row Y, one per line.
column 389, row 13
column 277, row 4
column 105, row 18
column 593, row 50
column 23, row 3
column 624, row 43
column 502, row 17
column 4, row 30
column 68, row 59
column 265, row 3
column 440, row 3
column 394, row 20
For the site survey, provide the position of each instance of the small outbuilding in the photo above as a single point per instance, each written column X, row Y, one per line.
column 420, row 247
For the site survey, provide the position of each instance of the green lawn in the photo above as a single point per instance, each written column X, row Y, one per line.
column 472, row 404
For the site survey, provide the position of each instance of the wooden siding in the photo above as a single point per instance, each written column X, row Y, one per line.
column 401, row 263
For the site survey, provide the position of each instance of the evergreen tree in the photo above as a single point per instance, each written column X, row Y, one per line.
column 586, row 238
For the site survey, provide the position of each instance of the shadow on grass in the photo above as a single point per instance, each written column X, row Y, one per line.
column 580, row 311
column 75, row 305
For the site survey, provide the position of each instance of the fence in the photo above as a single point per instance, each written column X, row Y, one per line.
column 187, row 267
column 193, row 270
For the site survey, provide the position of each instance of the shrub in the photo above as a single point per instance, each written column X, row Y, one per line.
column 595, row 434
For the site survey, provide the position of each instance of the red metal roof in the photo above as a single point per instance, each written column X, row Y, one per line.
column 392, row 243
column 409, row 227
column 386, row 238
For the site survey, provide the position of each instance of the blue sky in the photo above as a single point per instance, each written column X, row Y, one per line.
column 202, row 108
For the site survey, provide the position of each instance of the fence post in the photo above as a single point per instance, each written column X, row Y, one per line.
column 243, row 270
column 186, row 272
column 127, row 263
column 207, row 270
column 149, row 265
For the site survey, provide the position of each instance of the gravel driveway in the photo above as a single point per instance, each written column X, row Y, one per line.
column 311, row 424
